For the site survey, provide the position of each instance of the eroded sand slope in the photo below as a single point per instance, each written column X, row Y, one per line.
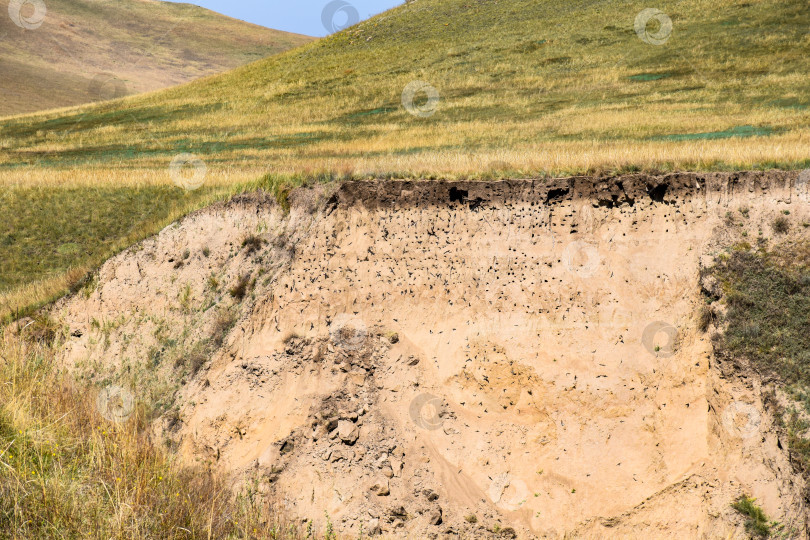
column 492, row 359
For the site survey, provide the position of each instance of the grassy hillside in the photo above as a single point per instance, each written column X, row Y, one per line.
column 90, row 50
column 517, row 87
column 542, row 86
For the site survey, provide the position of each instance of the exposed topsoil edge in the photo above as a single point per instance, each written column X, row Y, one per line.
column 604, row 191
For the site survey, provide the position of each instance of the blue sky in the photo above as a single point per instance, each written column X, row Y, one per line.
column 310, row 17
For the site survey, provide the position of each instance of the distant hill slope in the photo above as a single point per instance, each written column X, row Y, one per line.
column 553, row 86
column 88, row 50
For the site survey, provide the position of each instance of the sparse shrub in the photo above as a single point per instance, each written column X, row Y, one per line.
column 282, row 194
column 757, row 522
column 154, row 354
column 185, row 298
column 471, row 519
column 194, row 360
column 42, row 329
column 206, row 251
column 173, row 419
column 705, row 318
column 239, row 290
column 797, row 431
column 223, row 323
column 213, row 282
column 252, row 243
column 330, row 531
column 781, row 225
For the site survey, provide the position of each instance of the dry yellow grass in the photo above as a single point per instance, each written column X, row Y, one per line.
column 30, row 177
column 69, row 471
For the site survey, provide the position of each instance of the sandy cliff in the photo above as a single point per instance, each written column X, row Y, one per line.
column 516, row 358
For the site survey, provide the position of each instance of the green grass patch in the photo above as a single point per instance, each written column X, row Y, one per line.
column 737, row 131
column 372, row 112
column 790, row 103
column 644, row 77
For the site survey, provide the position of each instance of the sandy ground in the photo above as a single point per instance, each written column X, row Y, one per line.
column 499, row 359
